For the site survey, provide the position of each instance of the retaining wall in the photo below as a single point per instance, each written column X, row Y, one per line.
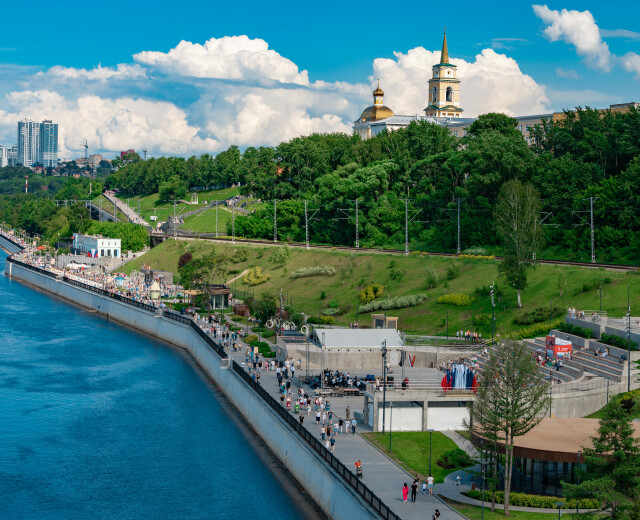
column 9, row 246
column 329, row 490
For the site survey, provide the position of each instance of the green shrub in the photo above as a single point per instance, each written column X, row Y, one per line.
column 331, row 311
column 592, row 285
column 538, row 315
column 255, row 276
column 334, row 304
column 250, row 338
column 281, row 255
column 482, row 322
column 323, row 295
column 617, row 341
column 240, row 256
column 459, row 300
column 455, row 459
column 431, row 277
column 576, row 331
column 485, row 290
column 399, row 302
column 524, row 500
column 318, row 270
column 452, row 271
column 540, row 329
column 322, row 320
column 397, row 275
column 475, row 251
column 371, row 292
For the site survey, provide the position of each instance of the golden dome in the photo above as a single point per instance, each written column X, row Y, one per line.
column 376, row 113
column 378, row 91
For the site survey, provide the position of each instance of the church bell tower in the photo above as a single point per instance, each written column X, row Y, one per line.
column 444, row 88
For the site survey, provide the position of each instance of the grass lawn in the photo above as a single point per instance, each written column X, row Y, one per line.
column 411, row 451
column 106, row 204
column 634, row 394
column 355, row 271
column 205, row 222
column 475, row 513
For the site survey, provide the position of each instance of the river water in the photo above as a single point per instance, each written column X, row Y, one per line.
column 97, row 421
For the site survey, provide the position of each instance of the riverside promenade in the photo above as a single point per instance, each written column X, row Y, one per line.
column 381, row 474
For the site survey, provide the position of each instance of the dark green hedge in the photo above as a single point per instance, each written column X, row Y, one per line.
column 521, row 499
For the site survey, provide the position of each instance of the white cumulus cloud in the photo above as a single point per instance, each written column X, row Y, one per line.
column 578, row 28
column 121, row 71
column 109, row 124
column 493, row 82
column 631, row 62
column 230, row 57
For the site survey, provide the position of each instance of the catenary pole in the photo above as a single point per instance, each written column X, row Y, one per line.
column 275, row 221
column 306, row 224
column 458, row 200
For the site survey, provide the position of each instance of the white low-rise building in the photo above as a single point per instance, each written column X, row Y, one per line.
column 97, row 246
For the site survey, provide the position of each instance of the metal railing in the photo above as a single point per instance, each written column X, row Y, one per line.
column 348, row 476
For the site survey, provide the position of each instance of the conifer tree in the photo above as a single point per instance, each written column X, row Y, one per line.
column 613, row 465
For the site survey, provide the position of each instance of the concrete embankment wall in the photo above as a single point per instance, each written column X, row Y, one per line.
column 9, row 246
column 328, row 490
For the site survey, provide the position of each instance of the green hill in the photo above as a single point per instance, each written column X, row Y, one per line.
column 403, row 276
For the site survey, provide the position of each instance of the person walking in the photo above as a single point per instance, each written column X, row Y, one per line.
column 405, row 492
column 333, row 444
column 348, row 414
column 430, row 482
column 414, row 490
column 353, row 426
column 318, row 417
column 324, row 417
column 340, row 424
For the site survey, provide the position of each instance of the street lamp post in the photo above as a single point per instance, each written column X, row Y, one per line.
column 550, row 310
column 629, row 338
column 322, row 360
column 430, row 432
column 447, row 325
column 384, row 381
column 483, row 466
column 493, row 311
column 390, row 423
column 559, row 506
column 578, row 479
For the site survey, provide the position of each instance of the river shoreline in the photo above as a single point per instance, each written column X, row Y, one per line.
column 305, row 461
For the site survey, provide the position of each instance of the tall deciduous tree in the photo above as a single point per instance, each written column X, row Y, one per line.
column 512, row 399
column 613, row 466
column 517, row 217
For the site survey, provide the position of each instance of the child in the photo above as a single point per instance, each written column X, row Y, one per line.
column 424, row 487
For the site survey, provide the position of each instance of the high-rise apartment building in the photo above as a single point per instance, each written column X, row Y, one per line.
column 4, row 156
column 37, row 143
column 48, row 144
column 28, row 142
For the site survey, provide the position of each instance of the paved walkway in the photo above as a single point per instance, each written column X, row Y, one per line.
column 126, row 210
column 381, row 474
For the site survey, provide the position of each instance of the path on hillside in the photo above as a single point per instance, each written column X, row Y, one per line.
column 126, row 210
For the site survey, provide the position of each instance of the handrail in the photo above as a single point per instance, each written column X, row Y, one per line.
column 351, row 479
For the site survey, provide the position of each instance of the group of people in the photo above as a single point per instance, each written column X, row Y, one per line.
column 573, row 313
column 337, row 379
column 427, row 486
column 473, row 337
column 548, row 361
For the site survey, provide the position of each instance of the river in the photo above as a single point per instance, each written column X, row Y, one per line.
column 98, row 421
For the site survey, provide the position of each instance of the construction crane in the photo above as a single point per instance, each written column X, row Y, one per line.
column 86, row 149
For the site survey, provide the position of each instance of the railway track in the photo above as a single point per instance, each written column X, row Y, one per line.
column 615, row 267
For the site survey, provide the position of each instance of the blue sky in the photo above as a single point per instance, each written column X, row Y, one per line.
column 550, row 57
